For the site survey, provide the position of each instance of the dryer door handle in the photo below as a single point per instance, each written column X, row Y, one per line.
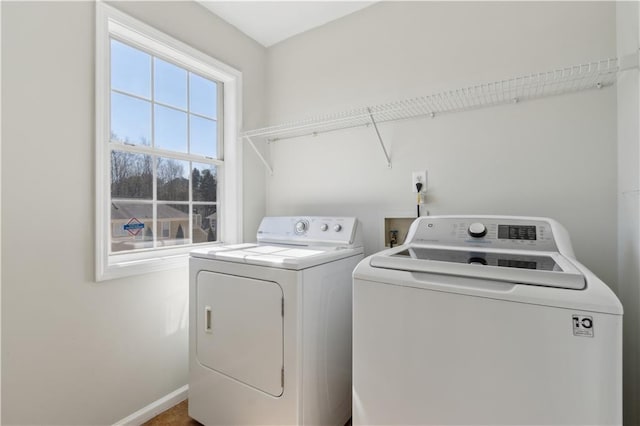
column 207, row 319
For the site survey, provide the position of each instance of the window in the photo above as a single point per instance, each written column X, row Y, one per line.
column 164, row 129
column 166, row 168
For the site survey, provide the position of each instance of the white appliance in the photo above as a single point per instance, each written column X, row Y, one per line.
column 485, row 320
column 270, row 325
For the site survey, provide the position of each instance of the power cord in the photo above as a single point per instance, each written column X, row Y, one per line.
column 418, row 189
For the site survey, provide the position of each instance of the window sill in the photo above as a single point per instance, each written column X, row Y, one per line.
column 127, row 265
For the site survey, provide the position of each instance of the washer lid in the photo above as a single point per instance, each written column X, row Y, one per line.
column 534, row 268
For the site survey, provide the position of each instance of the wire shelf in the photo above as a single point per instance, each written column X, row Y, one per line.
column 594, row 75
column 566, row 80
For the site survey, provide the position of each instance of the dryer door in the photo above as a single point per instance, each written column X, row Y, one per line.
column 240, row 329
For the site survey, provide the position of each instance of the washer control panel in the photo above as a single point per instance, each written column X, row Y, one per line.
column 308, row 229
column 504, row 233
column 477, row 230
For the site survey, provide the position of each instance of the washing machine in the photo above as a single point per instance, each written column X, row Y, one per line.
column 484, row 320
column 270, row 325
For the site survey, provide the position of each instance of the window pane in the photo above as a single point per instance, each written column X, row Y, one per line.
column 131, row 175
column 173, row 180
column 130, row 119
column 205, row 221
column 170, row 84
column 203, row 135
column 203, row 96
column 131, row 226
column 170, row 129
column 173, row 224
column 130, row 69
column 204, row 182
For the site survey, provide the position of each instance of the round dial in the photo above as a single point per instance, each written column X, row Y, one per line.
column 337, row 228
column 477, row 230
column 301, row 227
column 324, row 227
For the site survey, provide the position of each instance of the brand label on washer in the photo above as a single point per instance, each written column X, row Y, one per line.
column 582, row 325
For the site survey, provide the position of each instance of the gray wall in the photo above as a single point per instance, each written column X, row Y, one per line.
column 553, row 157
column 73, row 351
column 628, row 40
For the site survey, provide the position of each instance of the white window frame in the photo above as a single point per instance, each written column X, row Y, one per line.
column 110, row 21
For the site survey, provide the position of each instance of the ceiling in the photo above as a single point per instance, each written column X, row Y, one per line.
column 269, row 22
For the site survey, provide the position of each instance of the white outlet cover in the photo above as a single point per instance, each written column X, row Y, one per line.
column 419, row 177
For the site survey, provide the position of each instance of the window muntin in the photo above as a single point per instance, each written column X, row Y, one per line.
column 164, row 150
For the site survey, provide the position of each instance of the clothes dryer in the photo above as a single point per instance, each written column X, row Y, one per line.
column 270, row 325
column 485, row 320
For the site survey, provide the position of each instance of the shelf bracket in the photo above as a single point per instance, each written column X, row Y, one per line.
column 260, row 156
column 375, row 126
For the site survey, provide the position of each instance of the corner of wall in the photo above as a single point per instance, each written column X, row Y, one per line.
column 628, row 145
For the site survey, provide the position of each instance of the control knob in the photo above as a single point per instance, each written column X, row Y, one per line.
column 477, row 230
column 301, row 227
column 337, row 228
column 324, row 227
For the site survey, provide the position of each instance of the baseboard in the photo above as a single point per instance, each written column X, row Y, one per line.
column 155, row 408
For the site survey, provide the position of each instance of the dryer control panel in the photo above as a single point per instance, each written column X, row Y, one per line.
column 310, row 230
column 490, row 232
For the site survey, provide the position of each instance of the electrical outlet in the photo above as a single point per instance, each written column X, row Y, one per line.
column 419, row 177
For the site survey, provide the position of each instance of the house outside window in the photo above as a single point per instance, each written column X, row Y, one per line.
column 167, row 161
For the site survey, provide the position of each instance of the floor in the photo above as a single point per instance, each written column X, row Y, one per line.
column 178, row 415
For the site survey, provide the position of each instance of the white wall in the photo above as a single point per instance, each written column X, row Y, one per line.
column 73, row 351
column 553, row 157
column 628, row 41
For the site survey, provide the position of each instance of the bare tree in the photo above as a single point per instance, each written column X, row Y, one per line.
column 172, row 183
